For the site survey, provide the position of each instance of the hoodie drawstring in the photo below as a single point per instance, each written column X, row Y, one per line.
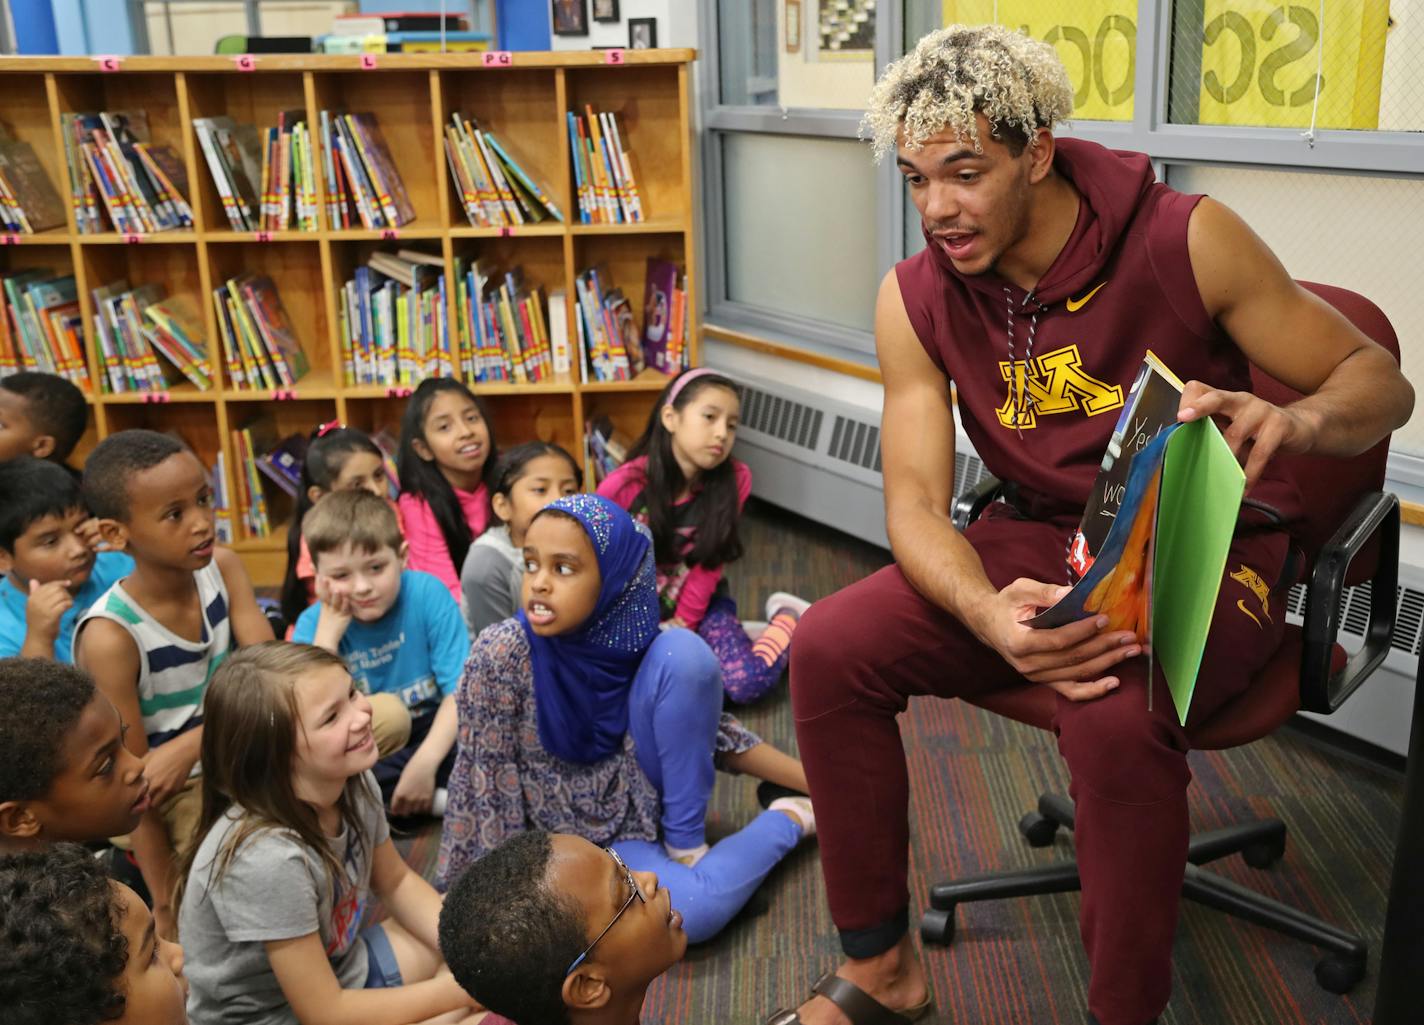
column 1018, row 383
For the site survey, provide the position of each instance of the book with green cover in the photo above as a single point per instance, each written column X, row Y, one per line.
column 1158, row 571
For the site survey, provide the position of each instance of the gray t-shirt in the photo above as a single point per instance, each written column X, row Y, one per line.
column 491, row 579
column 273, row 889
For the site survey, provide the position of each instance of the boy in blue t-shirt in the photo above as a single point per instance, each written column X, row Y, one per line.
column 51, row 574
column 400, row 632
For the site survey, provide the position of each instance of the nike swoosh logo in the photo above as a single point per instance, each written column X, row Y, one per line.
column 1074, row 305
column 1241, row 604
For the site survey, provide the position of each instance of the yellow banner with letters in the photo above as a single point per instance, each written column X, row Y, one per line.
column 1258, row 57
column 1097, row 40
column 1259, row 63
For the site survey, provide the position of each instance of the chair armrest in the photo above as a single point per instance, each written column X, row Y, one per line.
column 968, row 506
column 1320, row 689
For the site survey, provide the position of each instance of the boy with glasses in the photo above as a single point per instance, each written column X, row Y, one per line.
column 549, row 928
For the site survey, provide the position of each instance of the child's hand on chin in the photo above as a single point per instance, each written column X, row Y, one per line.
column 335, row 614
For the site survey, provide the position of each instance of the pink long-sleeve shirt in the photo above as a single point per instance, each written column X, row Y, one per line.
column 698, row 583
column 426, row 545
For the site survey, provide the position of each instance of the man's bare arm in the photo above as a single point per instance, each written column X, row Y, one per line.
column 1354, row 391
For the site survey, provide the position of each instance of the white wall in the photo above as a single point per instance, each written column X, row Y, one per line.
column 677, row 24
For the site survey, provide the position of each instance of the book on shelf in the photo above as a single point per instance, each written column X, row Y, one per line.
column 606, row 447
column 136, row 325
column 249, row 441
column 1151, row 548
column 379, row 22
column 29, row 202
column 393, row 322
column 494, row 188
column 222, row 501
column 117, row 175
column 260, row 348
column 42, row 328
column 502, row 324
column 288, row 183
column 609, row 335
column 603, row 174
column 233, row 153
column 665, row 318
column 364, row 188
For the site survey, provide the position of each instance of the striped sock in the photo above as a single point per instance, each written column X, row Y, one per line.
column 776, row 637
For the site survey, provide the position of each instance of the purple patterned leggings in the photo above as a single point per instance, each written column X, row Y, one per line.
column 745, row 677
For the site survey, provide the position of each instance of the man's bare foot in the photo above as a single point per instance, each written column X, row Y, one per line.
column 895, row 978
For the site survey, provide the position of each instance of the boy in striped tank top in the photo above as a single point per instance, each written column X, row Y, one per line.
column 153, row 640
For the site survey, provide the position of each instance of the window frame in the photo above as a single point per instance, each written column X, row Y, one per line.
column 1390, row 154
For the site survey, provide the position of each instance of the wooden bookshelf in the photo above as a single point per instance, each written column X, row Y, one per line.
column 412, row 96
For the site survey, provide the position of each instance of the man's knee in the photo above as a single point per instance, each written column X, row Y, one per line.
column 1120, row 750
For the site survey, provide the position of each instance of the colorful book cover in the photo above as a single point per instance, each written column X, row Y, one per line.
column 661, row 283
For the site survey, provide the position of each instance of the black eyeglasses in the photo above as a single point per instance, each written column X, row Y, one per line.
column 635, row 894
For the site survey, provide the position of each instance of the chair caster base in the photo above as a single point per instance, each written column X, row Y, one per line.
column 937, row 927
column 1038, row 830
column 1338, row 973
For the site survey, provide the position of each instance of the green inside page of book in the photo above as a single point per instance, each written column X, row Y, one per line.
column 1202, row 485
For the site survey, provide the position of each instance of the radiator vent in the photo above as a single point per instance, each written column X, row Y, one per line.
column 968, row 471
column 856, row 442
column 1355, row 614
column 782, row 418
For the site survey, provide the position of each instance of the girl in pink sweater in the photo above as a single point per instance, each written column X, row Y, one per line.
column 447, row 450
column 681, row 480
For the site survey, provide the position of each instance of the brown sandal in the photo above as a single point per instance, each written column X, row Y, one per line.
column 855, row 1003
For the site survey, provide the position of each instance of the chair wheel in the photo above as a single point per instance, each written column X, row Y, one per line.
column 1264, row 854
column 1338, row 974
column 937, row 927
column 1038, row 830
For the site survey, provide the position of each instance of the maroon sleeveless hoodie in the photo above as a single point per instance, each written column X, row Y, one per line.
column 1122, row 284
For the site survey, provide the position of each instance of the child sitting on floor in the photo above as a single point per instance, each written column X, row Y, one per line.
column 294, row 848
column 52, row 575
column 580, row 715
column 41, row 415
column 78, row 948
column 338, row 458
column 681, row 480
column 447, row 455
column 153, row 639
column 604, row 931
column 399, row 631
column 526, row 478
column 65, row 774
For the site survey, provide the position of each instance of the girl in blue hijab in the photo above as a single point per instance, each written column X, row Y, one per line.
column 579, row 716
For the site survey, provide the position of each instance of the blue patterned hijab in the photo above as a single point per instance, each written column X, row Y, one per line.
column 582, row 678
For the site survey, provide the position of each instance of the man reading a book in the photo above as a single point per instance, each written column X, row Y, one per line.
column 1050, row 267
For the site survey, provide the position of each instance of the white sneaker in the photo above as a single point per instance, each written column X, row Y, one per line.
column 800, row 809
column 754, row 628
column 782, row 600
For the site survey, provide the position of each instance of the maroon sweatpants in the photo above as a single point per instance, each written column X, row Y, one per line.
column 862, row 652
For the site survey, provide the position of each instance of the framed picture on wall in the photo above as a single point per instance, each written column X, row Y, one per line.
column 570, row 17
column 605, row 10
column 793, row 26
column 642, row 33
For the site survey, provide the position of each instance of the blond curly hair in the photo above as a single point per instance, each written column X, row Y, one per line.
column 1017, row 83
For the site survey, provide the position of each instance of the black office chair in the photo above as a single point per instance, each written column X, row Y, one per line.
column 1351, row 536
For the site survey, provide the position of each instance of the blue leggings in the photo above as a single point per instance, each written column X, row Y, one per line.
column 673, row 710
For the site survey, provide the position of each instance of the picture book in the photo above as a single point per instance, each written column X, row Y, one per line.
column 1164, row 505
column 657, row 315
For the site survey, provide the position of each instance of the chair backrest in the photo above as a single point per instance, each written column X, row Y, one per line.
column 1330, row 488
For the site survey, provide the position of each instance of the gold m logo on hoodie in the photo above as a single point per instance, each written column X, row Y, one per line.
column 1054, row 382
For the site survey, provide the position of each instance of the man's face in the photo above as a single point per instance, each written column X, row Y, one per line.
column 975, row 205
column 50, row 549
column 645, row 941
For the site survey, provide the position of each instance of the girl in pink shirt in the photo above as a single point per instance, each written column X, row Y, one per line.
column 681, row 480
column 447, row 451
